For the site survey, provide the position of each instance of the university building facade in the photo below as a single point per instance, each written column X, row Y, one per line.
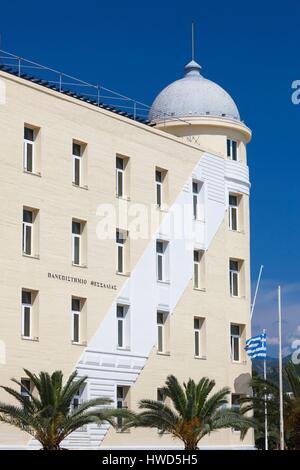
column 124, row 248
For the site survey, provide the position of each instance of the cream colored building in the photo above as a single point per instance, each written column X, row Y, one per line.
column 124, row 247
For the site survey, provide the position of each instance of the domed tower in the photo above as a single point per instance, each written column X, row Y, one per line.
column 201, row 112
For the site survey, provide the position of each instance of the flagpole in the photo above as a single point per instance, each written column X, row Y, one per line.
column 280, row 372
column 266, row 406
column 256, row 291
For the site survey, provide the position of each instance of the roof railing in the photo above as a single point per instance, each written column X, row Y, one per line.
column 95, row 94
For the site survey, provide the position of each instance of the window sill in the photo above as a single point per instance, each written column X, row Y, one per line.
column 33, row 173
column 163, row 209
column 27, row 338
column 200, row 289
column 126, row 348
column 241, row 363
column 167, row 353
column 84, row 266
column 235, row 161
column 241, row 232
column 123, row 198
column 85, row 187
column 241, row 297
column 201, row 358
column 163, row 282
column 126, row 274
column 199, row 220
column 31, row 256
column 82, row 343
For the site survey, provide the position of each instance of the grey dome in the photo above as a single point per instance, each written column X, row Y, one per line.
column 191, row 96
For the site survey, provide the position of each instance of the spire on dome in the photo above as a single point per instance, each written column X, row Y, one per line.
column 193, row 96
column 192, row 69
column 193, row 40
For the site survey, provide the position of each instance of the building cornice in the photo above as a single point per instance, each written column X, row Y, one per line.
column 207, row 121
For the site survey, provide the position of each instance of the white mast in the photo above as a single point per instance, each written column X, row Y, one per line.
column 280, row 372
column 265, row 361
column 256, row 291
column 266, row 406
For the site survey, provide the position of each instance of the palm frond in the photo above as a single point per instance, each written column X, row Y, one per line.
column 293, row 378
column 176, row 393
column 47, row 414
column 196, row 412
column 217, row 400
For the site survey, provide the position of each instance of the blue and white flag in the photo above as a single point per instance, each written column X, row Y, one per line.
column 256, row 347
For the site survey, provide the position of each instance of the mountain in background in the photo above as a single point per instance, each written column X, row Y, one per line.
column 273, row 369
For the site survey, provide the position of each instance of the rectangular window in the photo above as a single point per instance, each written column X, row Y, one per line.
column 199, row 269
column 197, row 340
column 27, row 235
column 76, row 401
column 235, row 339
column 235, row 405
column 77, row 156
column 76, row 242
column 122, row 326
column 199, row 326
column 120, row 242
column 233, row 212
column 78, row 398
column 196, row 269
column 120, row 176
column 160, row 395
column 26, row 327
column 76, row 311
column 25, row 388
column 28, row 155
column 161, row 331
column 196, row 190
column 235, row 401
column 161, row 260
column 159, row 187
column 234, row 277
column 120, row 320
column 120, row 397
column 232, row 149
column 122, row 401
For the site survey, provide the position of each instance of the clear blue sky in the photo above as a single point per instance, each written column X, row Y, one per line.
column 251, row 49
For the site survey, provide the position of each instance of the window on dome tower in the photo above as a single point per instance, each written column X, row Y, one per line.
column 232, row 149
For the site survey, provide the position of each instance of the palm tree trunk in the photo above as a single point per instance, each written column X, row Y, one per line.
column 191, row 446
column 52, row 447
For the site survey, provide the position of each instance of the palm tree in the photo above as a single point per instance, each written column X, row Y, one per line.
column 194, row 412
column 255, row 404
column 292, row 419
column 291, row 402
column 47, row 414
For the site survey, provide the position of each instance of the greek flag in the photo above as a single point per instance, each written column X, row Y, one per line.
column 256, row 347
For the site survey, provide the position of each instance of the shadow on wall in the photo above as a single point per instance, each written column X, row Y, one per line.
column 241, row 384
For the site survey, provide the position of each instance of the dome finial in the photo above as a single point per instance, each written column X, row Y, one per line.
column 192, row 69
column 193, row 40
